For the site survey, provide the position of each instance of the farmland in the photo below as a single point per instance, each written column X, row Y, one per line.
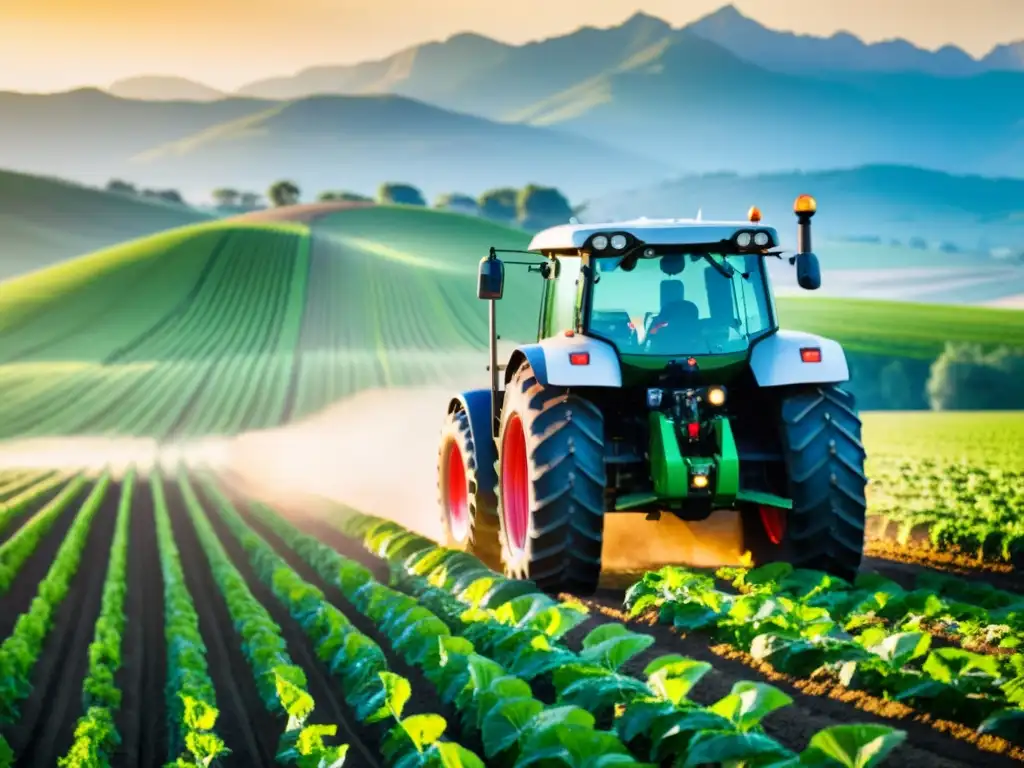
column 132, row 340
column 156, row 611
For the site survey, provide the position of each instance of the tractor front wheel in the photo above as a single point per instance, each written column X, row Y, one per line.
column 551, row 481
column 824, row 463
column 468, row 512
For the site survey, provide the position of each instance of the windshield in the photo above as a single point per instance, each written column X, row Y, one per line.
column 680, row 303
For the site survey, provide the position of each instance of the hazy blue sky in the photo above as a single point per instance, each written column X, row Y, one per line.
column 55, row 44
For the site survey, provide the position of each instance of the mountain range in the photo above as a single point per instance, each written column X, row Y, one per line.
column 592, row 112
column 319, row 142
column 422, row 66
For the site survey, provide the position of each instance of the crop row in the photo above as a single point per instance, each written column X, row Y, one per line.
column 220, row 361
column 21, row 650
column 502, row 665
column 375, row 693
column 864, row 636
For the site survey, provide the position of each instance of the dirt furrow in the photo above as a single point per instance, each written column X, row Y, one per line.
column 15, row 525
column 22, row 591
column 48, row 717
column 330, row 704
column 142, row 720
column 248, row 729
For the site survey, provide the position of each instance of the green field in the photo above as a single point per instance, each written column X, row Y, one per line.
column 379, row 296
column 950, row 483
column 45, row 221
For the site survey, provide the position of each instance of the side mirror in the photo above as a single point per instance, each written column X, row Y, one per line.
column 490, row 282
column 808, row 271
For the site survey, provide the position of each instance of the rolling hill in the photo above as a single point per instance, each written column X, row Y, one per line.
column 319, row 142
column 43, row 221
column 357, row 298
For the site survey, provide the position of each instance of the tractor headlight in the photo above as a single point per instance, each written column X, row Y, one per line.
column 699, row 480
column 716, row 395
column 762, row 239
column 599, row 243
column 743, row 239
column 619, row 242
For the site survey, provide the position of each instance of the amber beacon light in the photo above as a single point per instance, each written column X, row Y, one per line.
column 806, row 205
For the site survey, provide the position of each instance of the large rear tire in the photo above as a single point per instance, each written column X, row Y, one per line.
column 824, row 456
column 551, row 481
column 468, row 512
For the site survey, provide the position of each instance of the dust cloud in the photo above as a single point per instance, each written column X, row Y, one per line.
column 377, row 452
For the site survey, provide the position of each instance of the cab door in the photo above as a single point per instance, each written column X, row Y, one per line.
column 561, row 298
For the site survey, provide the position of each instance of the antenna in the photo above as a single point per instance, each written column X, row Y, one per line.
column 699, row 212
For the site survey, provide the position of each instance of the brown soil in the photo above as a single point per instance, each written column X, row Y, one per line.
column 142, row 720
column 306, row 213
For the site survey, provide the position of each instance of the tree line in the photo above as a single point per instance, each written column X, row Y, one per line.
column 531, row 207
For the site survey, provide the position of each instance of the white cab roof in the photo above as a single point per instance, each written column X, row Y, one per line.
column 568, row 237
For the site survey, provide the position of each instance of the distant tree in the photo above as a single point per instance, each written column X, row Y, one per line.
column 918, row 243
column 165, row 195
column 539, row 207
column 171, row 196
column 949, row 247
column 121, row 187
column 499, row 204
column 965, row 377
column 342, row 196
column 249, row 200
column 396, row 193
column 225, row 197
column 895, row 242
column 283, row 193
column 456, row 201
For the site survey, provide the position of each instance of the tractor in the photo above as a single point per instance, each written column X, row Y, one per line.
column 660, row 383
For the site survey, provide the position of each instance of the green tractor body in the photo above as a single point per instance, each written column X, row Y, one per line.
column 659, row 383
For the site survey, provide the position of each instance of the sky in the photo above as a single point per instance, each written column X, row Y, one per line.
column 60, row 44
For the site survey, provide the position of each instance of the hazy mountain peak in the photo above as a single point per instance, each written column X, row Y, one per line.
column 726, row 13
column 646, row 20
column 163, row 88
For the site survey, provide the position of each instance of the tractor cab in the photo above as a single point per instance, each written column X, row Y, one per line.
column 671, row 290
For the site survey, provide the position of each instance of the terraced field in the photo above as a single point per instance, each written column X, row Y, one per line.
column 152, row 611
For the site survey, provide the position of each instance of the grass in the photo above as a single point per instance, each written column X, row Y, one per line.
column 43, row 221
column 258, row 322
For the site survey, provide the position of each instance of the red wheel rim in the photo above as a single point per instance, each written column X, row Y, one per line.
column 515, row 485
column 774, row 521
column 457, row 497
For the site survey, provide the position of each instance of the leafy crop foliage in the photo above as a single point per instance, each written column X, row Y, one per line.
column 504, row 664
column 182, row 334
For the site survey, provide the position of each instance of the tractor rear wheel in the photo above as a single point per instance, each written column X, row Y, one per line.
column 468, row 512
column 551, row 481
column 824, row 463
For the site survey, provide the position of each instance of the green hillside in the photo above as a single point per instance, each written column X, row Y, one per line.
column 235, row 325
column 43, row 221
